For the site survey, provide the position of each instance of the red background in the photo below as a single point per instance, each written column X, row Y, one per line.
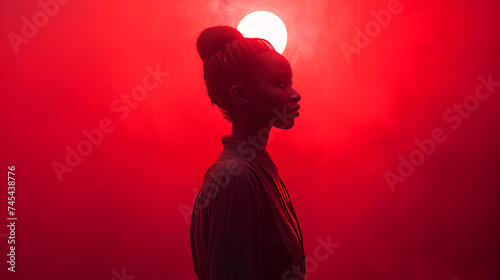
column 121, row 206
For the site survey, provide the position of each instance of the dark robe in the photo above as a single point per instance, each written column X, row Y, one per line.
column 243, row 224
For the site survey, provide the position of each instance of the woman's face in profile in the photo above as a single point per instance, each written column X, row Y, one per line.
column 272, row 93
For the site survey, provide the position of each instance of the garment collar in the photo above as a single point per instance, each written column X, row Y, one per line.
column 250, row 153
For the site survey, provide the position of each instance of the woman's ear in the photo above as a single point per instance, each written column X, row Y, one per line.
column 239, row 95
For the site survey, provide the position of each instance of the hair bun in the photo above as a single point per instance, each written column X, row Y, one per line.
column 215, row 38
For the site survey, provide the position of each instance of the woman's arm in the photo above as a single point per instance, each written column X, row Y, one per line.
column 235, row 245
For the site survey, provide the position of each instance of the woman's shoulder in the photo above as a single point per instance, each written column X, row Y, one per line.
column 232, row 166
column 227, row 178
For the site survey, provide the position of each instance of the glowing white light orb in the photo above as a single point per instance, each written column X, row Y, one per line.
column 265, row 25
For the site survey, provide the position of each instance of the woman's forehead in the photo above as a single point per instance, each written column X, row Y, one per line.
column 274, row 64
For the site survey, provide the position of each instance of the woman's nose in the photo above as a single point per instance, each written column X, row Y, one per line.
column 295, row 96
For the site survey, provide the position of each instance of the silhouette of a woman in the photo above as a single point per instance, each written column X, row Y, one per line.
column 243, row 223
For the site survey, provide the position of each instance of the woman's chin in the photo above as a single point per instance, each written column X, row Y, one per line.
column 289, row 124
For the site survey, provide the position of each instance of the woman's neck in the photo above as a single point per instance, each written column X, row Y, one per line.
column 256, row 135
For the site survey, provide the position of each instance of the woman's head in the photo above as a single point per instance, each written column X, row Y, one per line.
column 246, row 78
